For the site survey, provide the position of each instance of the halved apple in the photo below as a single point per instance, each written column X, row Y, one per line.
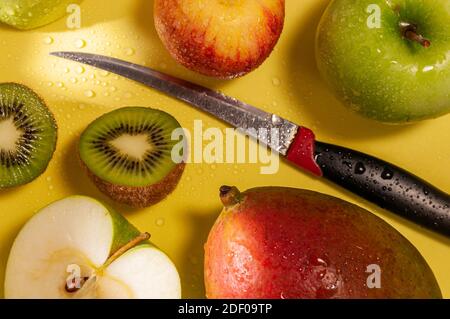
column 78, row 248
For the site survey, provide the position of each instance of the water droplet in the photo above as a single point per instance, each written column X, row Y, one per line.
column 330, row 286
column 81, row 106
column 348, row 164
column 73, row 80
column 387, row 174
column 66, row 70
column 104, row 73
column 79, row 69
column 113, row 89
column 48, row 40
column 89, row 93
column 129, row 51
column 10, row 11
column 276, row 81
column 276, row 120
column 60, row 84
column 160, row 222
column 49, row 179
column 80, row 43
column 360, row 168
column 428, row 69
column 317, row 261
column 49, row 83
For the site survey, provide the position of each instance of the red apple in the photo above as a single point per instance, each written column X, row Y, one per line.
column 220, row 38
column 275, row 243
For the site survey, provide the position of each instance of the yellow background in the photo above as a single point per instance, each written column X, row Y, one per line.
column 287, row 83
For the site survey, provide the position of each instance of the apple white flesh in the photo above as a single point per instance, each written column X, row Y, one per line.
column 81, row 232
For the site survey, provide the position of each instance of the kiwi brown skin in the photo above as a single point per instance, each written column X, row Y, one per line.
column 139, row 197
column 55, row 126
column 145, row 192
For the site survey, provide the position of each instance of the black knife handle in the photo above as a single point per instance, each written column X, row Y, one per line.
column 386, row 185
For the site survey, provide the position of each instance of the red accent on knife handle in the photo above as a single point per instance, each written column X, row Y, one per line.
column 302, row 153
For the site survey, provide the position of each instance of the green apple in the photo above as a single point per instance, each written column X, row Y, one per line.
column 30, row 14
column 78, row 248
column 388, row 59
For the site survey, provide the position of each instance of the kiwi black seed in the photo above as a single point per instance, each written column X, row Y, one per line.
column 28, row 134
column 128, row 155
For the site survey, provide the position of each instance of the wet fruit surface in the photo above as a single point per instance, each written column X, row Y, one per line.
column 26, row 14
column 288, row 243
column 28, row 133
column 376, row 69
column 220, row 38
column 128, row 155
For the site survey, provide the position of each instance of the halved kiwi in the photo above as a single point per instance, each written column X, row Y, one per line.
column 127, row 154
column 28, row 134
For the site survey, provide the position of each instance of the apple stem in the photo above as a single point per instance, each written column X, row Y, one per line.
column 410, row 32
column 230, row 196
column 132, row 243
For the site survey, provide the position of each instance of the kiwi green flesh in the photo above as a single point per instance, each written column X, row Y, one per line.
column 111, row 163
column 32, row 130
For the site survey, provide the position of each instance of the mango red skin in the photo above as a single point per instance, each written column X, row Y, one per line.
column 290, row 243
column 187, row 44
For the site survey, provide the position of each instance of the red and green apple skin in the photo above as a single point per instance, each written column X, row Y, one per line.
column 380, row 73
column 272, row 243
column 220, row 38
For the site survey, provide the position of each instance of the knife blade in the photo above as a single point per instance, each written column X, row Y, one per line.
column 234, row 112
column 375, row 180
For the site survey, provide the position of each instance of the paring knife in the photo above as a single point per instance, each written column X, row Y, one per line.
column 382, row 183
